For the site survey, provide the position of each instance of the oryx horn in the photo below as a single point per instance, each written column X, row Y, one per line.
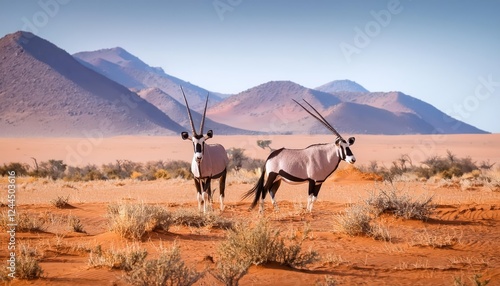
column 189, row 113
column 320, row 118
column 203, row 118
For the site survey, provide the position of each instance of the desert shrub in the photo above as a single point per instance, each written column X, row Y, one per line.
column 53, row 169
column 265, row 144
column 20, row 169
column 475, row 281
column 252, row 164
column 179, row 169
column 448, row 166
column 162, row 174
column 183, row 174
column 27, row 266
column 124, row 259
column 60, row 202
column 236, row 158
column 132, row 221
column 121, row 169
column 137, row 176
column 354, row 221
column 87, row 173
column 150, row 168
column 400, row 203
column 75, row 224
column 262, row 244
column 168, row 269
column 29, row 222
column 357, row 220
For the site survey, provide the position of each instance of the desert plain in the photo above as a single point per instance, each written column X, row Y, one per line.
column 465, row 224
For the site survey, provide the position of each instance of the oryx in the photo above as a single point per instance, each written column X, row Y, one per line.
column 209, row 161
column 312, row 165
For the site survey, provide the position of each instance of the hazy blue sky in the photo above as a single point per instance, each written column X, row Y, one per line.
column 446, row 53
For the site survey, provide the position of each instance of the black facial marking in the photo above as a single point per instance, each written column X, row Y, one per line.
column 348, row 151
column 197, row 148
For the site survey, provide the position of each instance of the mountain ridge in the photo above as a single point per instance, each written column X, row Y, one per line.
column 46, row 92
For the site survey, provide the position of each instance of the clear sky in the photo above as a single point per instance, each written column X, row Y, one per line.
column 446, row 53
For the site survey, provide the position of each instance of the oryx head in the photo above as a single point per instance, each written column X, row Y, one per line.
column 197, row 138
column 343, row 147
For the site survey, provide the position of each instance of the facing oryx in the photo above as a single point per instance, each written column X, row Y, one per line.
column 312, row 165
column 209, row 162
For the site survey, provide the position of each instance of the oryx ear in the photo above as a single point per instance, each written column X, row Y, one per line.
column 351, row 141
column 184, row 135
column 210, row 134
column 337, row 141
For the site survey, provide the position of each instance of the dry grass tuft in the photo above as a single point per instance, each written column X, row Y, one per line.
column 354, row 221
column 400, row 203
column 27, row 266
column 440, row 240
column 60, row 202
column 125, row 259
column 258, row 244
column 193, row 218
column 132, row 221
column 168, row 269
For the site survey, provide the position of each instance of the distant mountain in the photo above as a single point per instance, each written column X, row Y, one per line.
column 341, row 85
column 129, row 71
column 174, row 109
column 353, row 118
column 400, row 103
column 269, row 107
column 45, row 92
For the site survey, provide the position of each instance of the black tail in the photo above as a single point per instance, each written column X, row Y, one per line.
column 257, row 189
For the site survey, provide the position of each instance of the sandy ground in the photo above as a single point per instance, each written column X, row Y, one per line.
column 467, row 217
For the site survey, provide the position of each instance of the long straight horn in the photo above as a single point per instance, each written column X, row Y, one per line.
column 189, row 113
column 203, row 118
column 320, row 118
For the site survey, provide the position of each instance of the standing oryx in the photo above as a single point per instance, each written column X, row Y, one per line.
column 209, row 162
column 313, row 165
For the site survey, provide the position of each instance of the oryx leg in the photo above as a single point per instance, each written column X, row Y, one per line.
column 267, row 187
column 207, row 195
column 199, row 197
column 313, row 194
column 272, row 192
column 222, row 188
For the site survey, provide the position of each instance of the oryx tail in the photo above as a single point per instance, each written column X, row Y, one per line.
column 258, row 189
